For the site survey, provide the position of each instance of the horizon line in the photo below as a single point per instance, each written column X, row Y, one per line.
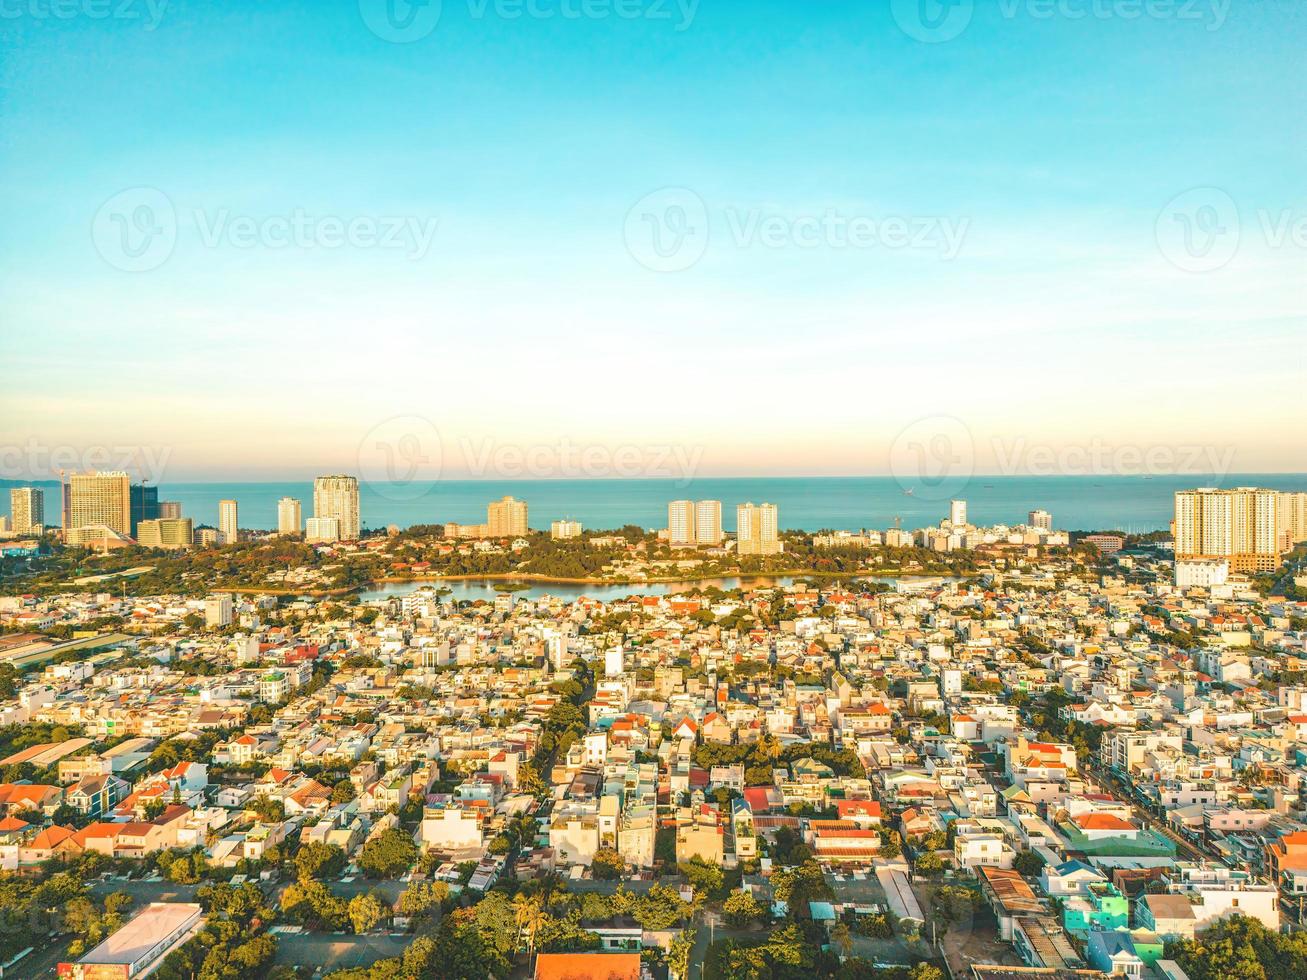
column 683, row 481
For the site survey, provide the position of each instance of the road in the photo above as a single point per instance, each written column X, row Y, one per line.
column 712, row 930
column 1110, row 781
column 144, row 892
column 43, row 962
column 1295, row 564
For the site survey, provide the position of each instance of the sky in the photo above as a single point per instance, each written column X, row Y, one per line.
column 562, row 238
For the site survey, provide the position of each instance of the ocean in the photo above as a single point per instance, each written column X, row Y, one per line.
column 1134, row 504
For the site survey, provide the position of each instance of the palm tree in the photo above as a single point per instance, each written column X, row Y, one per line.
column 530, row 915
column 842, row 938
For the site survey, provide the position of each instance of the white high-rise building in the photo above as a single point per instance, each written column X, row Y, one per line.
column 757, row 529
column 507, row 518
column 708, row 522
column 1041, row 519
column 957, row 513
column 321, row 530
column 1293, row 516
column 218, row 610
column 98, row 499
column 680, row 522
column 556, row 651
column 27, row 510
column 338, row 497
column 613, row 658
column 290, row 516
column 691, row 523
column 1241, row 525
column 562, row 530
column 228, row 523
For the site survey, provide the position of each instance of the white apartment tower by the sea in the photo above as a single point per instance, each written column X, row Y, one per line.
column 708, row 522
column 694, row 523
column 338, row 497
column 756, row 530
column 290, row 516
column 1240, row 525
column 27, row 507
column 228, row 522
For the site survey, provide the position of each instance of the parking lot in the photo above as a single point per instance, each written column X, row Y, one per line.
column 337, row 951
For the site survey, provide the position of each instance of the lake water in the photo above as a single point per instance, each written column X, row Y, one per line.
column 473, row 589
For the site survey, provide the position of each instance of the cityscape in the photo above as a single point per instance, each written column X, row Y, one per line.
column 1003, row 750
column 653, row 490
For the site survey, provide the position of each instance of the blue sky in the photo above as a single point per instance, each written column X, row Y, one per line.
column 1034, row 159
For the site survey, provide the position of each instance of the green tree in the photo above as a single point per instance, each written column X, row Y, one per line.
column 742, row 909
column 678, row 956
column 1028, row 863
column 268, row 809
column 318, row 860
column 530, row 916
column 388, row 855
column 842, row 937
column 423, row 898
column 607, row 865
column 366, row 911
column 928, row 864
column 706, row 879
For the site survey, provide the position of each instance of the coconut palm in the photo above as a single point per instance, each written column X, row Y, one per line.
column 530, row 915
column 843, row 938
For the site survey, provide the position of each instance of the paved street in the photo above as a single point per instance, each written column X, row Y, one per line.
column 144, row 892
column 1185, row 848
column 41, row 963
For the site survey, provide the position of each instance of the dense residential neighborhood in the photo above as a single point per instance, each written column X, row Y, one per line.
column 1063, row 762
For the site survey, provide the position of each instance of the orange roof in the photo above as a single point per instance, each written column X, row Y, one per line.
column 50, row 838
column 99, row 829
column 870, row 808
column 1103, row 821
column 588, row 966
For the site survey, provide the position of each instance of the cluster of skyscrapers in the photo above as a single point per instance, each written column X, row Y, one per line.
column 106, row 510
column 505, row 518
column 1251, row 528
column 698, row 524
